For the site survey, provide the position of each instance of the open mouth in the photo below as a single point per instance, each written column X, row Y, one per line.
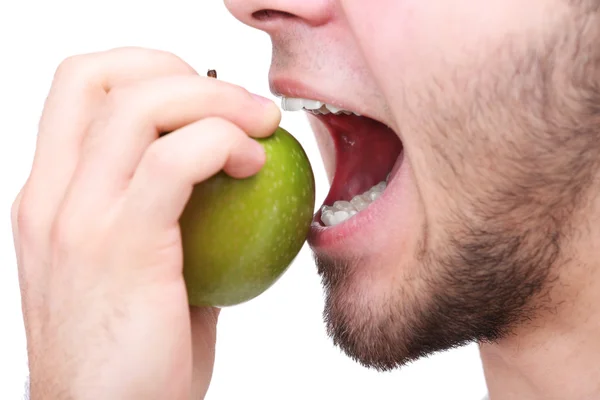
column 367, row 155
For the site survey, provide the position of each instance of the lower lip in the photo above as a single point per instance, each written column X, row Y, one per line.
column 342, row 237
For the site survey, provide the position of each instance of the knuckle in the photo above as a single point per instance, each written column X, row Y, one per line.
column 63, row 235
column 125, row 100
column 24, row 218
column 71, row 68
column 14, row 209
column 227, row 92
column 153, row 55
column 223, row 127
column 173, row 60
column 227, row 132
column 128, row 49
column 121, row 94
column 159, row 160
column 223, row 131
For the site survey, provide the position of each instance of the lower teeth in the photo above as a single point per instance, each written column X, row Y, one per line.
column 344, row 210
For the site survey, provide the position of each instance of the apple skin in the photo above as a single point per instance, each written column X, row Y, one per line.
column 240, row 235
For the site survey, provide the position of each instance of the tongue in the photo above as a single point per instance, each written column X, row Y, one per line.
column 366, row 151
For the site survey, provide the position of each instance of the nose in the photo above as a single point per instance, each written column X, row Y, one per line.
column 272, row 15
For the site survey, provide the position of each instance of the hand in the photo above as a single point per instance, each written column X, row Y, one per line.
column 96, row 224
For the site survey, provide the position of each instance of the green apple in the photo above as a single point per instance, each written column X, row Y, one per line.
column 240, row 235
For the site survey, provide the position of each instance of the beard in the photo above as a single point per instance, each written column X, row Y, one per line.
column 515, row 148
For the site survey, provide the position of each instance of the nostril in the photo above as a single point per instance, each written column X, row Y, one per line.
column 265, row 15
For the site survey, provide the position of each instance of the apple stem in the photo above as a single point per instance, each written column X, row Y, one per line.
column 212, row 73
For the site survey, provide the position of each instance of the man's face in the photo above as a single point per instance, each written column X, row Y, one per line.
column 493, row 115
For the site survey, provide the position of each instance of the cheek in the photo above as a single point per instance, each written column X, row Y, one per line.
column 406, row 42
column 403, row 37
column 384, row 32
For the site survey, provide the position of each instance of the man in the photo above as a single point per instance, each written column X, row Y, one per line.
column 481, row 118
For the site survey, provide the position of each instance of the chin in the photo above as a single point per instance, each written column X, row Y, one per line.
column 386, row 314
column 394, row 292
column 413, row 269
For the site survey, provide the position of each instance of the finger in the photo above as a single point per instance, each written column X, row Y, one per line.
column 204, row 335
column 173, row 164
column 79, row 88
column 14, row 218
column 137, row 113
column 29, row 300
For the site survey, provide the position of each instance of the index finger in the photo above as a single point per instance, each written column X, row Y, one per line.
column 79, row 88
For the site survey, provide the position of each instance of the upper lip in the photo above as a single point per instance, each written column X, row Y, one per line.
column 286, row 87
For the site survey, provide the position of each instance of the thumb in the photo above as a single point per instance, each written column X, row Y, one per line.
column 204, row 335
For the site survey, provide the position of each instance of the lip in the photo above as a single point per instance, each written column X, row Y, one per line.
column 357, row 233
column 354, row 233
column 287, row 87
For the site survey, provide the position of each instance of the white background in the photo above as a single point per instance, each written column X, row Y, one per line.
column 271, row 348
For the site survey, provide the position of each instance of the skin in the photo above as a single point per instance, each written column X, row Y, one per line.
column 93, row 283
column 496, row 231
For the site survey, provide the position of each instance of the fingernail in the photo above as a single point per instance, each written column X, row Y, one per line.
column 261, row 99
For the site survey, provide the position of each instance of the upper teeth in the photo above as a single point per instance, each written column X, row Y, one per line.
column 315, row 106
